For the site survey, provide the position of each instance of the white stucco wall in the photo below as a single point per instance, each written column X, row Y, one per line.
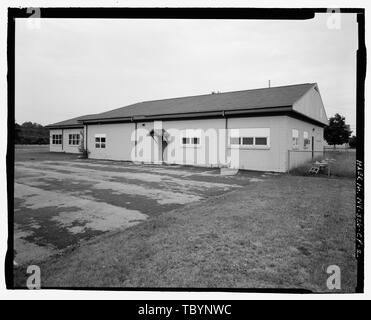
column 208, row 153
column 65, row 146
column 55, row 147
column 147, row 150
column 204, row 154
column 118, row 141
column 311, row 105
column 70, row 148
column 272, row 158
column 301, row 155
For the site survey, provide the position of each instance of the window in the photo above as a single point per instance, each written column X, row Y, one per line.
column 56, row 139
column 306, row 139
column 195, row 140
column 100, row 141
column 295, row 138
column 191, row 141
column 254, row 138
column 74, row 139
column 261, row 141
column 235, row 141
column 249, row 141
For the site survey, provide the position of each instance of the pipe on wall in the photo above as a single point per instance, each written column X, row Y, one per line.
column 62, row 138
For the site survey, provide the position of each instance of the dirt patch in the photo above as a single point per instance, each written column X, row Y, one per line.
column 162, row 196
column 95, row 215
column 26, row 251
column 49, row 221
column 63, row 203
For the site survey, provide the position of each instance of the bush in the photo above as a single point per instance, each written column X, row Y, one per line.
column 84, row 152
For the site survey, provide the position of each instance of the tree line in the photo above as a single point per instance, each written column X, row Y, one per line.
column 30, row 133
column 338, row 132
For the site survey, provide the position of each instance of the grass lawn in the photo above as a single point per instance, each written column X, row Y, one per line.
column 342, row 164
column 282, row 233
column 39, row 152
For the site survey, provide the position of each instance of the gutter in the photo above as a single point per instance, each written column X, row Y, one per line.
column 76, row 126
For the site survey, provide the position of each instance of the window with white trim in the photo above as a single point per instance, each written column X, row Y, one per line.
column 249, row 141
column 190, row 140
column 100, row 141
column 295, row 138
column 306, row 139
column 261, row 141
column 235, row 140
column 250, row 138
column 74, row 139
column 56, row 139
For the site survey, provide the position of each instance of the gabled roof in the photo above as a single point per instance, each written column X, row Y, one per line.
column 270, row 101
column 70, row 123
column 264, row 98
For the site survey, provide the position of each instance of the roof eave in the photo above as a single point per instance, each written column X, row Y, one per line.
column 77, row 126
column 300, row 116
column 215, row 113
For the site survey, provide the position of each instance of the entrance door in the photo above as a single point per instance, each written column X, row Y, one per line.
column 146, row 144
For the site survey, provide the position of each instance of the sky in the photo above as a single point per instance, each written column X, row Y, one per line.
column 66, row 68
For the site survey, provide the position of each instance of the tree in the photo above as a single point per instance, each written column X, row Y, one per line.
column 17, row 133
column 337, row 132
column 30, row 133
column 353, row 142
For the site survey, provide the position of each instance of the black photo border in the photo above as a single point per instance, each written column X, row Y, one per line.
column 189, row 13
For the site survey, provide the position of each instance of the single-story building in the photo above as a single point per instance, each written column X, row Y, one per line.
column 66, row 136
column 250, row 129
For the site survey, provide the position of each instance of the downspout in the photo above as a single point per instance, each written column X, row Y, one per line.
column 312, row 148
column 135, row 138
column 86, row 141
column 313, row 143
column 62, row 138
column 226, row 137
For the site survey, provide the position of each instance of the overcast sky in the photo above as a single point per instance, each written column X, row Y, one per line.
column 72, row 67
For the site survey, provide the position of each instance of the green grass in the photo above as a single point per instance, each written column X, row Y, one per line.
column 344, row 164
column 280, row 233
column 40, row 152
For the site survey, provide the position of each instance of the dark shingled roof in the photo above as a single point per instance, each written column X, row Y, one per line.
column 70, row 123
column 284, row 96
